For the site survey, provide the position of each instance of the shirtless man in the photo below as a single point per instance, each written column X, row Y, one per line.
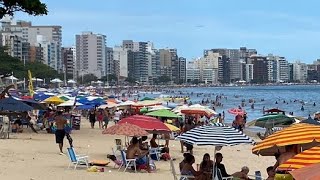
column 134, row 152
column 60, row 133
column 290, row 152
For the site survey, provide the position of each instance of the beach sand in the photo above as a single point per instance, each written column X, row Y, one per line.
column 33, row 156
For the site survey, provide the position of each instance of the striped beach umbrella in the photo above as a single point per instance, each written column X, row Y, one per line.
column 215, row 135
column 302, row 134
column 303, row 159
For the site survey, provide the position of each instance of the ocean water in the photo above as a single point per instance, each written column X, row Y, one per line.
column 308, row 94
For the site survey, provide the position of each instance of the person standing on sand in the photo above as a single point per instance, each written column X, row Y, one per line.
column 60, row 132
column 92, row 118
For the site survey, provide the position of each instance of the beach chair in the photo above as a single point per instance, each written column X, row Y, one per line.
column 127, row 162
column 76, row 159
column 117, row 163
column 219, row 176
column 175, row 175
column 156, row 152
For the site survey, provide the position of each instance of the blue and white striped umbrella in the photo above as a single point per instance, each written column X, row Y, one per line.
column 215, row 135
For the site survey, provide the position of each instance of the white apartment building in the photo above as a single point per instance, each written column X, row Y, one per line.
column 282, row 70
column 90, row 54
column 120, row 55
column 300, row 71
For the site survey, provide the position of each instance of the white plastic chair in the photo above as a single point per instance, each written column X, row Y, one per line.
column 156, row 152
column 77, row 160
column 127, row 162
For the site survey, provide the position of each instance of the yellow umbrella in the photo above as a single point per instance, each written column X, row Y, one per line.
column 305, row 158
column 172, row 127
column 53, row 100
column 302, row 134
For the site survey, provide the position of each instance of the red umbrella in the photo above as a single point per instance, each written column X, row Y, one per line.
column 147, row 123
column 236, row 111
column 125, row 129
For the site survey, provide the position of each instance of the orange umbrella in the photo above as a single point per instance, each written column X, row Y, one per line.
column 304, row 135
column 305, row 158
column 307, row 173
column 198, row 109
column 125, row 129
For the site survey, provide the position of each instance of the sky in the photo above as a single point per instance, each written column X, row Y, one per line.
column 289, row 28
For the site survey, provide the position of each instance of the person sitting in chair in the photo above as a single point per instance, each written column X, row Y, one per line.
column 134, row 152
column 154, row 144
column 243, row 174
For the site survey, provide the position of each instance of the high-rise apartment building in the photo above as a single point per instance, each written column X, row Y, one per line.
column 90, row 54
column 182, row 70
column 300, row 72
column 28, row 38
column 68, row 61
column 110, row 63
column 137, row 60
column 260, row 69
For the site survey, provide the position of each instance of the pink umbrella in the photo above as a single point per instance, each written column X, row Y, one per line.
column 236, row 111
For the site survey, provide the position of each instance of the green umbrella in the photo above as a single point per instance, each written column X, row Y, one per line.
column 144, row 110
column 274, row 120
column 64, row 98
column 163, row 113
column 147, row 99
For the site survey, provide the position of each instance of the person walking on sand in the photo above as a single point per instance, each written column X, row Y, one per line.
column 92, row 118
column 60, row 122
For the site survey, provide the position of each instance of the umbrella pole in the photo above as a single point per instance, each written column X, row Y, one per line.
column 215, row 168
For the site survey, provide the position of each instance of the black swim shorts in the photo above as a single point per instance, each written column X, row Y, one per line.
column 60, row 135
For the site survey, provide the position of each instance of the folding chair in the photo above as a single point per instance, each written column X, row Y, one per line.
column 127, row 162
column 77, row 160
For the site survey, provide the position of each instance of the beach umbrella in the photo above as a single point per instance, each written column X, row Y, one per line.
column 53, row 100
column 198, row 109
column 70, row 103
column 125, row 129
column 163, row 113
column 157, row 107
column 71, row 81
column 302, row 134
column 270, row 121
column 56, row 80
column 11, row 78
column 172, row 127
column 147, row 99
column 146, row 103
column 37, row 79
column 309, row 172
column 310, row 121
column 127, row 103
column 64, row 98
column 236, row 111
column 34, row 104
column 274, row 110
column 144, row 110
column 179, row 108
column 147, row 123
column 215, row 135
column 109, row 105
column 303, row 159
column 11, row 104
column 85, row 107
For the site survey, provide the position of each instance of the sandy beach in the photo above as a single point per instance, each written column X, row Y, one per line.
column 33, row 156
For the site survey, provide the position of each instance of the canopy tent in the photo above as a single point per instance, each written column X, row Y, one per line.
column 303, row 135
column 56, row 80
column 71, row 81
column 163, row 113
column 11, row 78
column 37, row 79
